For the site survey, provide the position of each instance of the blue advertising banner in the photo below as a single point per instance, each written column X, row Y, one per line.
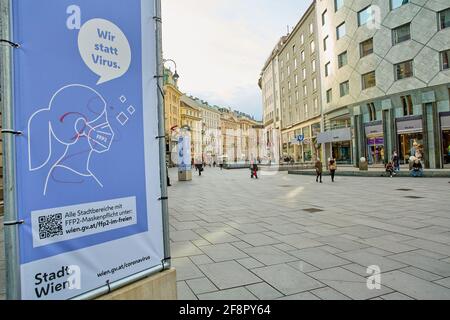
column 88, row 172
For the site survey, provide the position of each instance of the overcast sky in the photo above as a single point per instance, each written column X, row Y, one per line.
column 220, row 46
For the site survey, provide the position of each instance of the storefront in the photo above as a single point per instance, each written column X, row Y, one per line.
column 410, row 138
column 306, row 145
column 339, row 144
column 445, row 129
column 375, row 142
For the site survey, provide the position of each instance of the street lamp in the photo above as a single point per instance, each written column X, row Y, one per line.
column 175, row 76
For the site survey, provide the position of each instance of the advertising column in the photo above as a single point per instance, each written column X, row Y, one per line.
column 88, row 182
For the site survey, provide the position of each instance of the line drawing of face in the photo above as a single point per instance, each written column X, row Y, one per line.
column 76, row 114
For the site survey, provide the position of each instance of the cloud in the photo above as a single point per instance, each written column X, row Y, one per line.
column 220, row 46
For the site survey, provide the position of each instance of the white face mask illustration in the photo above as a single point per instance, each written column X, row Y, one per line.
column 100, row 137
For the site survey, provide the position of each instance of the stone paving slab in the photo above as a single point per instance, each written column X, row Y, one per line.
column 226, row 275
column 286, row 279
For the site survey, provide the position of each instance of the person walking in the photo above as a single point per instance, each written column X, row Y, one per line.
column 319, row 170
column 332, row 167
column 396, row 161
column 254, row 170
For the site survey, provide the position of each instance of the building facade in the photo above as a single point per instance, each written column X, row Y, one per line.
column 211, row 136
column 385, row 79
column 172, row 115
column 300, row 90
column 270, row 87
column 191, row 119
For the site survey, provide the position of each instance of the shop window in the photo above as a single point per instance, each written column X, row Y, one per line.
column 445, row 55
column 444, row 19
column 369, row 80
column 401, row 34
column 404, row 70
column 366, row 47
column 372, row 111
column 408, row 108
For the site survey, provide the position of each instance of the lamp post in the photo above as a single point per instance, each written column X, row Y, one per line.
column 176, row 76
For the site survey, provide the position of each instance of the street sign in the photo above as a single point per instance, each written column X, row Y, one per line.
column 300, row 138
column 88, row 181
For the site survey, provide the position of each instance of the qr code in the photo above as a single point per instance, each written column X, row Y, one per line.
column 50, row 226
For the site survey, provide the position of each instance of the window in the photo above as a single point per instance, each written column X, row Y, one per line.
column 314, row 84
column 287, row 56
column 364, row 16
column 313, row 47
column 289, row 70
column 289, row 85
column 295, row 63
column 408, row 108
column 372, row 111
column 366, row 47
column 338, row 4
column 293, row 49
column 340, row 31
column 403, row 70
column 302, row 39
column 296, row 79
column 324, row 17
column 282, row 91
column 306, row 110
column 325, row 43
column 311, row 28
column 402, row 33
column 304, row 74
column 282, row 75
column 303, row 56
column 344, row 88
column 444, row 19
column 327, row 69
column 398, row 3
column 342, row 59
column 313, row 66
column 296, row 96
column 368, row 80
column 305, row 91
column 329, row 95
column 444, row 60
column 316, row 104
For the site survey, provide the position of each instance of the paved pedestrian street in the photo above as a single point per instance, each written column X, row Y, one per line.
column 287, row 237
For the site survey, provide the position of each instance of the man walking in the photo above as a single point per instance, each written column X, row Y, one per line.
column 319, row 170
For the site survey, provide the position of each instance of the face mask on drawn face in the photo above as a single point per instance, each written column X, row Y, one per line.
column 100, row 137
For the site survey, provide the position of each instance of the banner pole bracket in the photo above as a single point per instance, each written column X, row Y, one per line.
column 10, row 43
column 14, row 132
column 13, row 223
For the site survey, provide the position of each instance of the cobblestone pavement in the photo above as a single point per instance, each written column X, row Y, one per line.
column 287, row 237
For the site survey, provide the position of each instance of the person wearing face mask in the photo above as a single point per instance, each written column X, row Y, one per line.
column 78, row 130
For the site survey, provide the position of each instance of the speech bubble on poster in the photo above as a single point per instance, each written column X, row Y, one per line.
column 105, row 49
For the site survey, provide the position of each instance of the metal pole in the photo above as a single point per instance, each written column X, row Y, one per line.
column 162, row 133
column 9, row 174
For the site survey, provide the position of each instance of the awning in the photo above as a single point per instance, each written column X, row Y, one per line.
column 409, row 126
column 338, row 135
column 445, row 122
